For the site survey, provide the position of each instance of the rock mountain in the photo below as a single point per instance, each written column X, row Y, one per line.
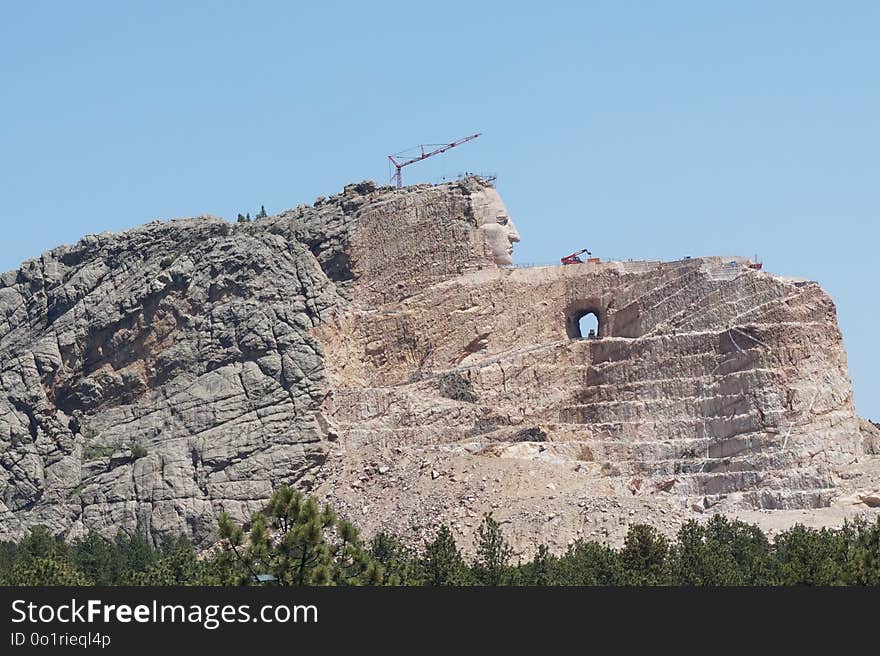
column 376, row 349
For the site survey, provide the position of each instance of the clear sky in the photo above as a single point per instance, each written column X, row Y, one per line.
column 636, row 129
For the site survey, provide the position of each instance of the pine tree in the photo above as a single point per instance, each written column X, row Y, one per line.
column 721, row 553
column 40, row 543
column 541, row 571
column 241, row 569
column 305, row 555
column 179, row 566
column 808, row 556
column 645, row 556
column 310, row 547
column 98, row 559
column 443, row 562
column 354, row 564
column 590, row 563
column 494, row 554
column 401, row 564
column 863, row 563
column 53, row 570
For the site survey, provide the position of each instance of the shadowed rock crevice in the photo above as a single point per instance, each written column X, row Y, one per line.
column 575, row 314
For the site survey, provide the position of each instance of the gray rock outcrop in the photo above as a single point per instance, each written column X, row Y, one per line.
column 154, row 377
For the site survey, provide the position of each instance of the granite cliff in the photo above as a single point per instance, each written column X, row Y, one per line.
column 376, row 349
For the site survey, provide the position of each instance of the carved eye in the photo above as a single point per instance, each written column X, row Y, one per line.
column 502, row 220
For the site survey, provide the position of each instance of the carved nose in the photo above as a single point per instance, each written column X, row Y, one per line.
column 513, row 236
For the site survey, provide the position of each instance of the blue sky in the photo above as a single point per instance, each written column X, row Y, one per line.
column 643, row 130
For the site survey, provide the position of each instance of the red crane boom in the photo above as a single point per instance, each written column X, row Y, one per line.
column 398, row 164
column 573, row 258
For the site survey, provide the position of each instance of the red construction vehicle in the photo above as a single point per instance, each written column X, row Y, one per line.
column 573, row 258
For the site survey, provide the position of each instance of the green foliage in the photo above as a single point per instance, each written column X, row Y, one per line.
column 722, row 552
column 310, row 546
column 443, row 562
column 863, row 553
column 177, row 566
column 76, row 491
column 494, row 554
column 401, row 564
column 815, row 557
column 645, row 556
column 354, row 564
column 541, row 571
column 589, row 563
column 47, row 571
column 297, row 542
column 97, row 559
column 88, row 432
column 94, row 452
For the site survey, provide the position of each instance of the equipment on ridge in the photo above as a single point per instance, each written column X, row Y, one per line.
column 573, row 258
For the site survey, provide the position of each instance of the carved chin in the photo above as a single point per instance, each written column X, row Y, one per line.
column 502, row 258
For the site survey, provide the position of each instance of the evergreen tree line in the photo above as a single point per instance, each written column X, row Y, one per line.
column 246, row 218
column 298, row 542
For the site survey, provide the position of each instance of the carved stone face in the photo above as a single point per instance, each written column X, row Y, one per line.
column 495, row 224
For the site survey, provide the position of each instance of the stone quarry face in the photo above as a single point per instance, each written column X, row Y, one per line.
column 374, row 350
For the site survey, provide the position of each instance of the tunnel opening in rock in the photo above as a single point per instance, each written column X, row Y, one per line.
column 588, row 325
column 583, row 324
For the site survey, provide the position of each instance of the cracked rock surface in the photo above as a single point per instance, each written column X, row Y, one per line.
column 368, row 349
column 155, row 377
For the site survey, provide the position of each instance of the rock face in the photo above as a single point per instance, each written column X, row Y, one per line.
column 152, row 378
column 871, row 437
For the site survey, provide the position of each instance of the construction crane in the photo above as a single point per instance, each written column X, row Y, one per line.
column 573, row 258
column 398, row 163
